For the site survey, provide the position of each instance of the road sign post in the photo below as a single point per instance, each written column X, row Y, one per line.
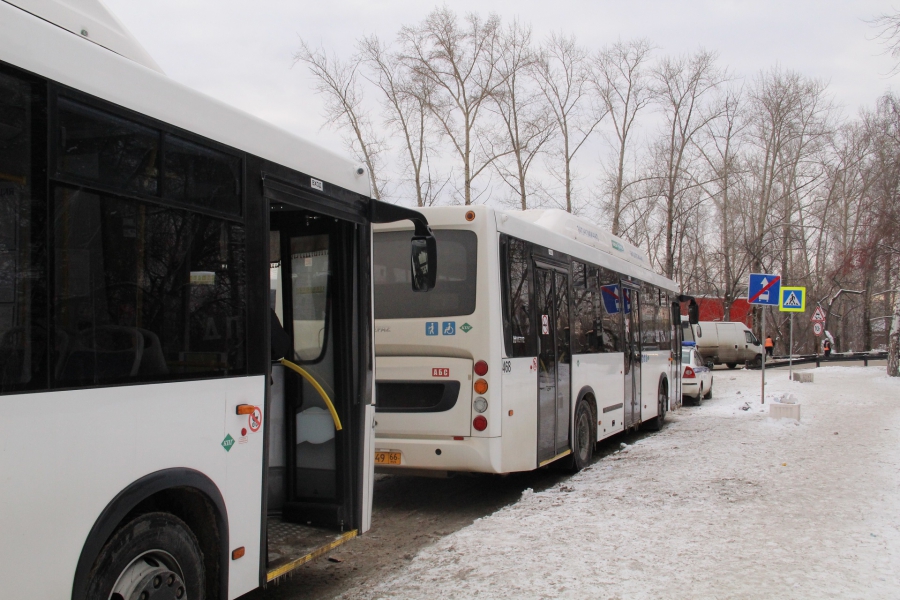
column 764, row 289
column 818, row 320
column 793, row 299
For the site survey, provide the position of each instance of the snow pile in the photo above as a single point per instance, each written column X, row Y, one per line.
column 723, row 503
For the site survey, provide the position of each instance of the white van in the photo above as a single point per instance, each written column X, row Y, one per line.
column 729, row 343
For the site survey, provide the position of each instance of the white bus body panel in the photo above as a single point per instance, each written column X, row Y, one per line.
column 453, row 422
column 604, row 374
column 518, row 390
column 51, row 496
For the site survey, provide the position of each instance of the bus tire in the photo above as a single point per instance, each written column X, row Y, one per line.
column 657, row 422
column 731, row 365
column 154, row 555
column 585, row 436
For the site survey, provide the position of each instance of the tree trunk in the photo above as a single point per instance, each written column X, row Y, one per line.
column 893, row 362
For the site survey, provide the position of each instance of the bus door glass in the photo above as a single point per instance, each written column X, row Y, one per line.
column 631, row 301
column 563, row 362
column 552, row 305
column 303, row 295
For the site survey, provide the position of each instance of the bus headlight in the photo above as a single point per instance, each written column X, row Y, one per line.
column 480, row 405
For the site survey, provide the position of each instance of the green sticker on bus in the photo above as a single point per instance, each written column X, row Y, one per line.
column 466, row 327
column 228, row 442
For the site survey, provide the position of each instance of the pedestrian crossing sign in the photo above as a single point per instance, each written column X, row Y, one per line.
column 793, row 299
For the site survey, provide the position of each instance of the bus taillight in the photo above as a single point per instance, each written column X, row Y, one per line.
column 479, row 423
column 481, row 386
column 481, row 368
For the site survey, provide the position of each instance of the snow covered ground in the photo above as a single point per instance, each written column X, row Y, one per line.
column 723, row 503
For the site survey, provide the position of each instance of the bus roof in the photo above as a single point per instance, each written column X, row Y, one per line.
column 581, row 230
column 44, row 37
column 582, row 238
column 93, row 21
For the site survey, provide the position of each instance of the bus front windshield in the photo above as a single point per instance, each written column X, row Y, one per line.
column 454, row 293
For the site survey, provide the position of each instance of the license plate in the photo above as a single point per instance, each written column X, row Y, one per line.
column 387, row 458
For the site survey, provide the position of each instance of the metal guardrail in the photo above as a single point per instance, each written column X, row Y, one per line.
column 806, row 359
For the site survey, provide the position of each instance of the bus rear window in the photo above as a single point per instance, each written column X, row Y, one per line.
column 454, row 293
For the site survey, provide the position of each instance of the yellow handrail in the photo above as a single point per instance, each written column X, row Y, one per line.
column 303, row 373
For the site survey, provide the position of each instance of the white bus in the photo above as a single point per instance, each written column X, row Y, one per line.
column 542, row 336
column 150, row 447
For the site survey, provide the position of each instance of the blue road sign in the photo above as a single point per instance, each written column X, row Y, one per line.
column 765, row 289
column 793, row 299
column 610, row 294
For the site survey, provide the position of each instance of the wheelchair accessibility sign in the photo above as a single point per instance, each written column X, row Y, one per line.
column 444, row 328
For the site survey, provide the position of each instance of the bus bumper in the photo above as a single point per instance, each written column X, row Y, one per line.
column 480, row 455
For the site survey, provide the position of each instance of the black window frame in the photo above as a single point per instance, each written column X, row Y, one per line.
column 56, row 90
column 40, row 117
column 530, row 348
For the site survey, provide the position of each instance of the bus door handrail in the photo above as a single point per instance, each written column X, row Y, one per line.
column 312, row 381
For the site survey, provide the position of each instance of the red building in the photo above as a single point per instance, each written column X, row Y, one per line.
column 713, row 309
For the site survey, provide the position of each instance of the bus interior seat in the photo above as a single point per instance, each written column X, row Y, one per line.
column 153, row 361
column 105, row 352
column 12, row 357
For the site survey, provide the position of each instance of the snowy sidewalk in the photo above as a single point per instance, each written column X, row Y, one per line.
column 723, row 503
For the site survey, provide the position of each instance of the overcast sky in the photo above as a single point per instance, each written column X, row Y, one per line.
column 241, row 51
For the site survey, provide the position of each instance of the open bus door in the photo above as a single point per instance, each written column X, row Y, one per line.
column 320, row 433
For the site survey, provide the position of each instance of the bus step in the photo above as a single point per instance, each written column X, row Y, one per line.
column 291, row 545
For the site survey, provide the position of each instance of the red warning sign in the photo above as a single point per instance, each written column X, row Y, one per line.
column 254, row 419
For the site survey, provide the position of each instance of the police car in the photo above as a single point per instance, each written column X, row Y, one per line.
column 696, row 378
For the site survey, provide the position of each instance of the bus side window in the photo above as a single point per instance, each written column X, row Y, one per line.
column 144, row 292
column 586, row 338
column 517, row 295
column 23, row 243
column 609, row 311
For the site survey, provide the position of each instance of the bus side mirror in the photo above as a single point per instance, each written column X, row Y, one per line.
column 423, row 257
column 693, row 312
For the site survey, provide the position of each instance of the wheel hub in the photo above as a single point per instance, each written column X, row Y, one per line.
column 152, row 576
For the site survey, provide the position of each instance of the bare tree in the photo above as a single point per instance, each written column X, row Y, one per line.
column 526, row 122
column 888, row 28
column 680, row 86
column 788, row 116
column 460, row 61
column 562, row 71
column 621, row 81
column 338, row 81
column 406, row 100
column 721, row 149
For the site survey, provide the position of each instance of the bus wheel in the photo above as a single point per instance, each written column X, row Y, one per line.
column 155, row 556
column 731, row 365
column 656, row 423
column 584, row 436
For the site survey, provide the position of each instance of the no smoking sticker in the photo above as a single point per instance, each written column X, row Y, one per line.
column 254, row 419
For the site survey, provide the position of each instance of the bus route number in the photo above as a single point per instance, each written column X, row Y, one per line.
column 507, row 366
